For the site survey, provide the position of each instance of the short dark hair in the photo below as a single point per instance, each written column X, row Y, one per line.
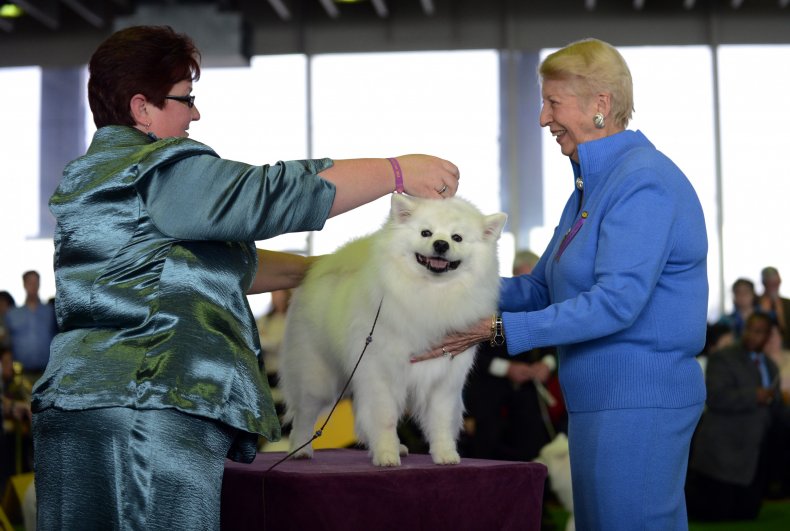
column 761, row 316
column 145, row 60
column 8, row 298
column 743, row 282
column 30, row 273
column 713, row 334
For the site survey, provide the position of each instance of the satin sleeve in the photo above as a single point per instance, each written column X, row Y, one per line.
column 204, row 197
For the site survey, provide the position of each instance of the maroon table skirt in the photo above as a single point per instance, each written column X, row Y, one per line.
column 342, row 490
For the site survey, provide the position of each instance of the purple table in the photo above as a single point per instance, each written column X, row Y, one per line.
column 342, row 490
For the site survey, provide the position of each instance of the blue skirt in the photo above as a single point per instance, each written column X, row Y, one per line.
column 121, row 468
column 628, row 467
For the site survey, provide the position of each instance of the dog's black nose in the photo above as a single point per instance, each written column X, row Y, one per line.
column 440, row 246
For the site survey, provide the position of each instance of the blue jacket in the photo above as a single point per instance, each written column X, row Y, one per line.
column 622, row 288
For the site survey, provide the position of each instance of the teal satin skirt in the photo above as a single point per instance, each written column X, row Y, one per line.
column 120, row 468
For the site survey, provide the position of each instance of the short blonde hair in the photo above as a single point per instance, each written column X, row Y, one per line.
column 594, row 66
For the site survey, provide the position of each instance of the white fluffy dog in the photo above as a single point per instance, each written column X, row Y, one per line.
column 433, row 268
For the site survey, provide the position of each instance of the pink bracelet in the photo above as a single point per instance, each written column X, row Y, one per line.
column 398, row 175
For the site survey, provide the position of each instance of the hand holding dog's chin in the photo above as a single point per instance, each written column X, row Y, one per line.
column 458, row 342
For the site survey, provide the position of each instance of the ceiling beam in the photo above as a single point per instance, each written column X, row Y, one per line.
column 45, row 11
column 89, row 14
column 381, row 8
column 428, row 7
column 330, row 8
column 281, row 9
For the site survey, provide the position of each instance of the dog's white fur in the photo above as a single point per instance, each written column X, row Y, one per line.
column 332, row 314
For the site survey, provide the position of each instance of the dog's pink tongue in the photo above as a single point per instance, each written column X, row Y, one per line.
column 438, row 263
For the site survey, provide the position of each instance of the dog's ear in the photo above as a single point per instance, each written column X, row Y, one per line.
column 401, row 207
column 492, row 228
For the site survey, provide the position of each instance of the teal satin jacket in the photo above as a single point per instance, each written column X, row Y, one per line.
column 154, row 255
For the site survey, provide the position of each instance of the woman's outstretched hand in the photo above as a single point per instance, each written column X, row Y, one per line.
column 458, row 342
column 428, row 176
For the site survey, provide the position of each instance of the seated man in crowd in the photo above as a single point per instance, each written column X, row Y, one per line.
column 729, row 458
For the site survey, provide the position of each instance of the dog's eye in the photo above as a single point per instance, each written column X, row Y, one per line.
column 457, row 238
column 426, row 233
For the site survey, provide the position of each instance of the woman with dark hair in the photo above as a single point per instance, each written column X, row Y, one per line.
column 154, row 377
column 7, row 303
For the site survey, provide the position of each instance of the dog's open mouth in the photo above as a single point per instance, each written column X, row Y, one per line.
column 436, row 264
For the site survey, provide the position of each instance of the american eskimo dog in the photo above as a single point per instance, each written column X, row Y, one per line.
column 431, row 269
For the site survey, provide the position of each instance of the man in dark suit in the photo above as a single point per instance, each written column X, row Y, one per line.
column 727, row 470
column 507, row 403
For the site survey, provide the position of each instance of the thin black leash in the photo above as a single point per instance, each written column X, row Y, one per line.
column 317, row 434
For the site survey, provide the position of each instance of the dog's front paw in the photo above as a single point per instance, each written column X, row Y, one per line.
column 386, row 455
column 446, row 457
column 404, row 450
column 304, row 453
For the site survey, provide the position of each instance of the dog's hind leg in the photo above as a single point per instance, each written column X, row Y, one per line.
column 305, row 414
column 307, row 395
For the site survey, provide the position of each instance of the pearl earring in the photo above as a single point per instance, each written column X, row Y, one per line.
column 598, row 120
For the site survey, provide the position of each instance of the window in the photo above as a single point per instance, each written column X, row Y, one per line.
column 383, row 105
column 754, row 142
column 19, row 184
column 447, row 104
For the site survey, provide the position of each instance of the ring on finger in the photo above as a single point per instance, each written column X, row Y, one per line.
column 443, row 190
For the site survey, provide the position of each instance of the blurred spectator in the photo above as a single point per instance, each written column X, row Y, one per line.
column 717, row 336
column 729, row 460
column 773, row 304
column 781, row 356
column 16, row 445
column 32, row 327
column 7, row 303
column 271, row 327
column 779, row 436
column 506, row 398
column 744, row 301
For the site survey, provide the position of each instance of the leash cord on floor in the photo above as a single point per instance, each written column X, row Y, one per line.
column 319, row 432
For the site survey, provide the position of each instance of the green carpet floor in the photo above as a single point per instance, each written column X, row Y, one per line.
column 774, row 516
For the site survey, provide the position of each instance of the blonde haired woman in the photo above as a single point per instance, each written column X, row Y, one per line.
column 622, row 290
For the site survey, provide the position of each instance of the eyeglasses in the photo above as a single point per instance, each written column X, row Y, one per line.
column 189, row 100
